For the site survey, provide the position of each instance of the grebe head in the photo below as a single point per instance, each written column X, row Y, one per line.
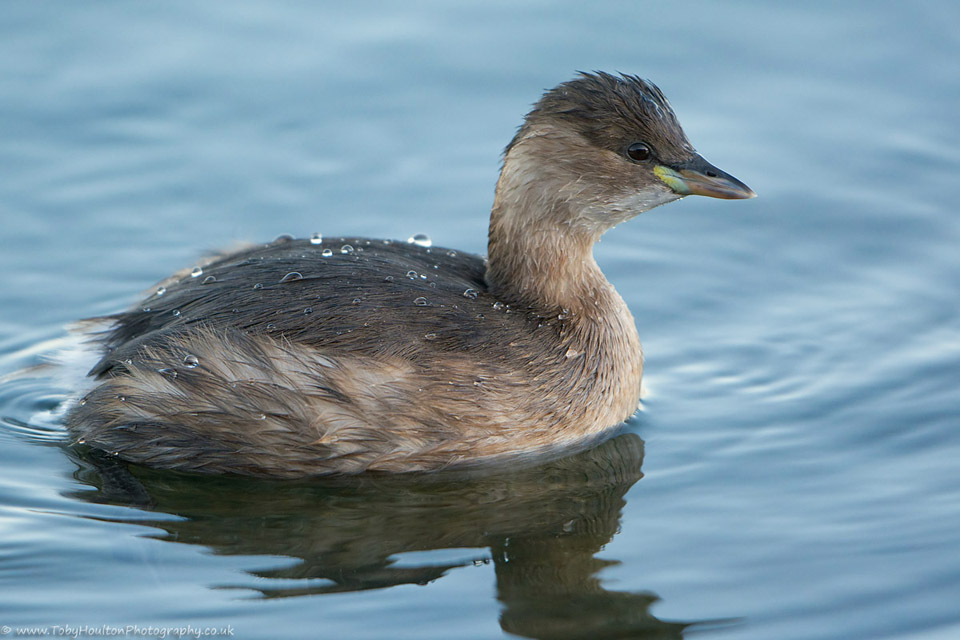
column 598, row 150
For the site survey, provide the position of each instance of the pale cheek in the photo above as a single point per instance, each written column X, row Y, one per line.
column 638, row 202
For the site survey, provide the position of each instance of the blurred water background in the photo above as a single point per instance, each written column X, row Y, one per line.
column 794, row 471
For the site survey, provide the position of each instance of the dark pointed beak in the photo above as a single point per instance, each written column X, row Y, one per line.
column 697, row 177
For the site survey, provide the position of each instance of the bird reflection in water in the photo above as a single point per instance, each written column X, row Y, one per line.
column 543, row 526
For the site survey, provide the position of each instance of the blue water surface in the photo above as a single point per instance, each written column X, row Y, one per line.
column 793, row 473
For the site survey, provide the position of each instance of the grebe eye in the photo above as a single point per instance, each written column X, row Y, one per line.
column 639, row 151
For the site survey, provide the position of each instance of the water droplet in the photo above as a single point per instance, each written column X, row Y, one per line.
column 498, row 306
column 481, row 317
column 430, row 336
column 423, row 276
column 259, row 285
column 326, row 253
column 433, row 285
column 346, row 249
column 356, row 301
column 209, row 280
column 572, row 353
column 122, row 398
column 478, row 383
column 420, row 239
column 412, row 274
column 161, row 291
column 388, row 279
column 271, row 326
column 283, row 238
column 261, row 416
column 316, row 238
column 290, row 277
column 471, row 293
column 197, row 272
column 145, row 309
column 308, row 311
column 388, row 242
column 166, row 371
column 191, row 361
column 83, row 401
column 81, row 441
column 420, row 302
column 176, row 313
column 452, row 254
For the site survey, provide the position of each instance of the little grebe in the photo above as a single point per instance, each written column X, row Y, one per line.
column 305, row 357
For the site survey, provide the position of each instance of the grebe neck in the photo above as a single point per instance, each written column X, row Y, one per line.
column 540, row 247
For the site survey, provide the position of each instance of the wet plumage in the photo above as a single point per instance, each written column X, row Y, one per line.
column 302, row 357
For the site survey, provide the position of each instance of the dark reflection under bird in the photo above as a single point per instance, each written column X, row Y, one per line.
column 543, row 526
